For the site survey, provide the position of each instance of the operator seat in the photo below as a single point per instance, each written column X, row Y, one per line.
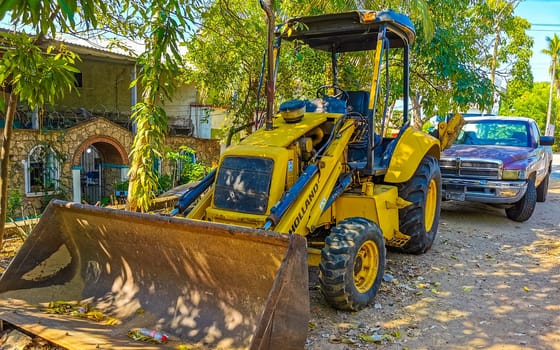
column 358, row 102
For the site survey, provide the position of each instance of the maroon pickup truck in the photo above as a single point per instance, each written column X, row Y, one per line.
column 503, row 161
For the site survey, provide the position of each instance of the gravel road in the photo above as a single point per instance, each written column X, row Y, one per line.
column 487, row 283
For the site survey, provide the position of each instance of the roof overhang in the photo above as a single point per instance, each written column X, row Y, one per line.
column 349, row 31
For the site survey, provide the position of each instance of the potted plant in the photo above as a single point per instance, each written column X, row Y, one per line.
column 121, row 188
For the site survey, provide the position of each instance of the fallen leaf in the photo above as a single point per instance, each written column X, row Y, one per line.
column 374, row 338
column 397, row 334
column 335, row 340
column 111, row 321
column 347, row 340
column 348, row 325
column 388, row 277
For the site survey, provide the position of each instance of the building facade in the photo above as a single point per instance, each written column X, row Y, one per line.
column 79, row 148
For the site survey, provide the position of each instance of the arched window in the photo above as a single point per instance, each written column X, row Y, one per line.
column 42, row 171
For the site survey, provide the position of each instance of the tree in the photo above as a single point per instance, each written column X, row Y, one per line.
column 532, row 103
column 449, row 68
column 161, row 24
column 511, row 46
column 456, row 71
column 34, row 76
column 519, row 78
column 226, row 56
column 165, row 21
column 553, row 51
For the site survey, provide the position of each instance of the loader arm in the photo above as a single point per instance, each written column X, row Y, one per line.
column 447, row 131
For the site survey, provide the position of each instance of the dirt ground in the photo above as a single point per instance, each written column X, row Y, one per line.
column 487, row 283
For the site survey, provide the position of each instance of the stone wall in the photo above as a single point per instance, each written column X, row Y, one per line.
column 207, row 151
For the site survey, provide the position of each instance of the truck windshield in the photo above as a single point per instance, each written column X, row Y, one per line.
column 243, row 184
column 501, row 133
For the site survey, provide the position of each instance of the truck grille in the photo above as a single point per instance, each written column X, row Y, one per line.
column 471, row 168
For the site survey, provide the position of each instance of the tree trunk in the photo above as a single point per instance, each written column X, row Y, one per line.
column 5, row 163
column 493, row 71
column 416, row 112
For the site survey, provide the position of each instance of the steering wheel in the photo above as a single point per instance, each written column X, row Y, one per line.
column 339, row 93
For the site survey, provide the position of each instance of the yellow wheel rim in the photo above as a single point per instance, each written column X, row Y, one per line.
column 431, row 205
column 366, row 266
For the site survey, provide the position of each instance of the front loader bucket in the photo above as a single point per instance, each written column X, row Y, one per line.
column 206, row 285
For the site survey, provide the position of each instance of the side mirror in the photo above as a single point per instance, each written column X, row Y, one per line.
column 547, row 140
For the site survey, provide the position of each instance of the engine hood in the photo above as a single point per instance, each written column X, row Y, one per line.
column 507, row 154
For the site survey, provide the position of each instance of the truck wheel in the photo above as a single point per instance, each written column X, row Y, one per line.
column 352, row 264
column 542, row 190
column 522, row 210
column 420, row 220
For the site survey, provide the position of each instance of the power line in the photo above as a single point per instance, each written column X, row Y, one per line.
column 544, row 27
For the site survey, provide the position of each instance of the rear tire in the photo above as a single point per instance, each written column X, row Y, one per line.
column 352, row 264
column 420, row 220
column 542, row 189
column 524, row 208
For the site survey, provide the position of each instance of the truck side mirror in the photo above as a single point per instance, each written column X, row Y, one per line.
column 547, row 140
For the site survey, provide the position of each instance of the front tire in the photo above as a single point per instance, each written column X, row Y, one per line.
column 542, row 189
column 524, row 208
column 420, row 220
column 352, row 264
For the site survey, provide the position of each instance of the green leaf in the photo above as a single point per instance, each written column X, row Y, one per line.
column 35, row 8
column 375, row 338
column 7, row 5
column 68, row 8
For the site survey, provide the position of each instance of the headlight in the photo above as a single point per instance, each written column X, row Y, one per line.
column 513, row 175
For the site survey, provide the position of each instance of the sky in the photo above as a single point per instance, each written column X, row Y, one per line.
column 544, row 16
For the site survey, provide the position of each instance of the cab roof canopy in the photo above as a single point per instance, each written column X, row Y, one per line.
column 349, row 31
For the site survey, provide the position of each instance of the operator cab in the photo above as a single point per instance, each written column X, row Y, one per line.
column 354, row 32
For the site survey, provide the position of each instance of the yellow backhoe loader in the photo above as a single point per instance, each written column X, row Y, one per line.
column 229, row 270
